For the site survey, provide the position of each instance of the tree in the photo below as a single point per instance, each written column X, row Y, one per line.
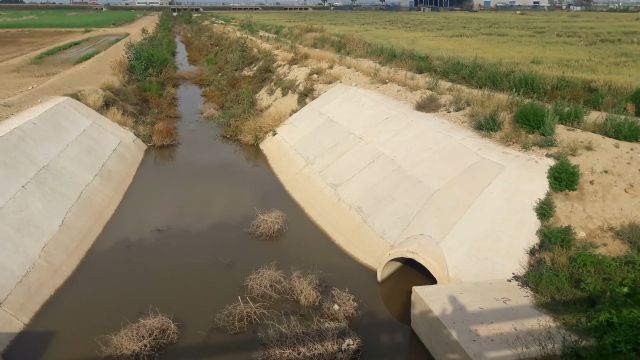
column 11, row 1
column 382, row 2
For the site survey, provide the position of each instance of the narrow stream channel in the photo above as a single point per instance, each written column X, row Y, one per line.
column 177, row 243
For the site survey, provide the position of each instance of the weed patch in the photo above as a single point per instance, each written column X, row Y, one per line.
column 568, row 114
column 563, row 176
column 545, row 208
column 619, row 128
column 428, row 104
column 535, row 118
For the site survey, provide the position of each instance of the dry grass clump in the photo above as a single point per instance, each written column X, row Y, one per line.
column 254, row 130
column 341, row 306
column 116, row 115
column 305, row 330
column 93, row 98
column 235, row 318
column 164, row 134
column 267, row 283
column 430, row 103
column 142, row 339
column 317, row 339
column 304, row 288
column 268, row 224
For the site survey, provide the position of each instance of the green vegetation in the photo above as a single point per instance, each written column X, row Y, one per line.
column 490, row 123
column 555, row 237
column 498, row 60
column 594, row 295
column 38, row 58
column 234, row 75
column 545, row 209
column 569, row 114
column 536, row 118
column 86, row 56
column 619, row 128
column 55, row 18
column 563, row 176
column 630, row 233
column 145, row 98
column 635, row 101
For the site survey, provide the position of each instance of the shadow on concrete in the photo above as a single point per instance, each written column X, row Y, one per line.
column 508, row 332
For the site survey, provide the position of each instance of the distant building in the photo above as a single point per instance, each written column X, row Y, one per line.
column 476, row 4
column 150, row 3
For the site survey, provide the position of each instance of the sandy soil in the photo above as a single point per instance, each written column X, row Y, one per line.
column 609, row 190
column 24, row 86
column 19, row 42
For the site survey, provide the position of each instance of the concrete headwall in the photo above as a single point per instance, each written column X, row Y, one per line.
column 63, row 170
column 389, row 182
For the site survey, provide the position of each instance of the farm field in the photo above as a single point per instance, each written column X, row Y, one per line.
column 19, row 42
column 54, row 18
column 593, row 46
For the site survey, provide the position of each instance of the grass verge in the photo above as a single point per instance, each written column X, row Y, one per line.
column 58, row 49
column 477, row 73
column 145, row 98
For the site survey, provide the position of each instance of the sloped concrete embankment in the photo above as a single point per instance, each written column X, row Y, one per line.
column 389, row 184
column 64, row 169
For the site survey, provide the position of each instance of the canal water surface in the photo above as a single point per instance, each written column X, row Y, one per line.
column 177, row 243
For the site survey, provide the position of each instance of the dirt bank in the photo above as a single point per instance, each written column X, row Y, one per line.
column 609, row 190
column 23, row 87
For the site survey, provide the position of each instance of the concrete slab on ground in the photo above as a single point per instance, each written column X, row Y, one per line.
column 485, row 320
column 64, row 170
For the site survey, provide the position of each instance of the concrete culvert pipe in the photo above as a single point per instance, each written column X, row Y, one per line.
column 419, row 248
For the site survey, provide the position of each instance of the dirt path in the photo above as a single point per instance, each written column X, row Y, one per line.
column 21, row 90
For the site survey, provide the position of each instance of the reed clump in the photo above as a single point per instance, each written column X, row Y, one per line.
column 268, row 224
column 294, row 317
column 143, row 339
column 236, row 317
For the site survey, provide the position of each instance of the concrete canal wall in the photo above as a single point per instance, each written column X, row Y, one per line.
column 63, row 170
column 388, row 184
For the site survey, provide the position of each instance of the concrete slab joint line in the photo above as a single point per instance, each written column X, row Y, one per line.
column 389, row 184
column 65, row 170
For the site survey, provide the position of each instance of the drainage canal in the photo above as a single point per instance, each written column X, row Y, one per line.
column 177, row 243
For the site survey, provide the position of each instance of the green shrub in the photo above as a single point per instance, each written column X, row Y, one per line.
column 635, row 100
column 563, row 176
column 547, row 141
column 568, row 114
column 552, row 237
column 151, row 86
column 535, row 118
column 545, row 208
column 619, row 128
column 304, row 94
column 490, row 123
column 154, row 53
column 630, row 233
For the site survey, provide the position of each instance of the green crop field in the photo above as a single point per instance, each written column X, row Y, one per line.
column 593, row 46
column 28, row 19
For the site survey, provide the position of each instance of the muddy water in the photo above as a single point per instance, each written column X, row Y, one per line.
column 177, row 243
